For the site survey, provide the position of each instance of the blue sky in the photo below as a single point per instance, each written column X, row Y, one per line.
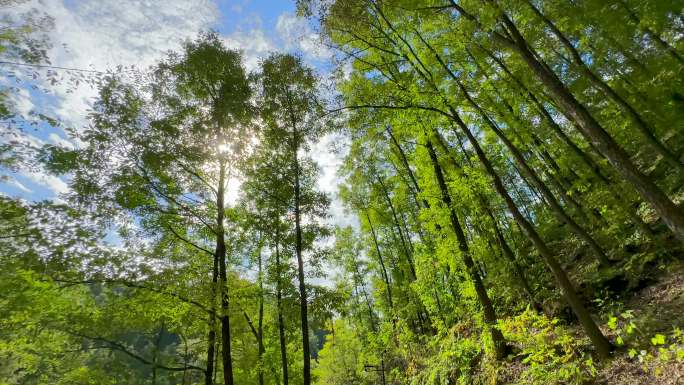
column 251, row 13
column 101, row 34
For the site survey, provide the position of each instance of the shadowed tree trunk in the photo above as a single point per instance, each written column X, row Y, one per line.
column 653, row 35
column 223, row 276
column 281, row 321
column 638, row 122
column 488, row 309
column 397, row 225
column 303, row 302
column 385, row 276
column 526, row 170
column 601, row 344
column 592, row 166
column 484, row 205
column 672, row 215
column 211, row 339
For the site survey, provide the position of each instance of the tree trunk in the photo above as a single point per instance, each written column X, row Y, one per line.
column 626, row 108
column 155, row 356
column 501, row 240
column 510, row 256
column 385, row 276
column 404, row 161
column 546, row 115
column 359, row 282
column 672, row 215
column 211, row 339
column 653, row 35
column 303, row 305
column 223, row 277
column 407, row 250
column 260, row 330
column 216, row 365
column 529, row 173
column 601, row 344
column 592, row 166
column 489, row 313
column 520, row 160
column 281, row 321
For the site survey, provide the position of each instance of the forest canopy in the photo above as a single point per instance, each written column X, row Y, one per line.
column 512, row 170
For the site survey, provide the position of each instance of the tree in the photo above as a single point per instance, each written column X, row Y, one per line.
column 167, row 160
column 291, row 111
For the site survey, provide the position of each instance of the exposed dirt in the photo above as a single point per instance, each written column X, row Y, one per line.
column 630, row 372
column 658, row 309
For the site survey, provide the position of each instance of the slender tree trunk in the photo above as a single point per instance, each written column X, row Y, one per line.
column 640, row 124
column 223, row 277
column 484, row 205
column 414, row 183
column 216, row 365
column 155, row 357
column 592, row 166
column 281, row 321
column 306, row 354
column 520, row 160
column 260, row 330
column 526, row 169
column 510, row 256
column 404, row 161
column 211, row 339
column 406, row 182
column 653, row 35
column 601, row 344
column 440, row 310
column 553, row 172
column 672, row 215
column 546, row 115
column 359, row 281
column 407, row 250
column 385, row 276
column 489, row 313
column 185, row 359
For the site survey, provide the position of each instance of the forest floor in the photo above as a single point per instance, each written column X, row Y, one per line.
column 657, row 309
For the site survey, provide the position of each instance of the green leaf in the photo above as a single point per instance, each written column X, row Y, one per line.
column 659, row 339
column 612, row 323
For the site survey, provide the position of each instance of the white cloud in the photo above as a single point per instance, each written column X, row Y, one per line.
column 294, row 34
column 52, row 182
column 22, row 103
column 20, row 98
column 58, row 140
column 328, row 160
column 9, row 134
column 13, row 182
column 105, row 33
column 297, row 34
column 254, row 44
column 328, row 156
column 102, row 34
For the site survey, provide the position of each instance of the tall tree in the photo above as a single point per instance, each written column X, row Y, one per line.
column 168, row 159
column 292, row 114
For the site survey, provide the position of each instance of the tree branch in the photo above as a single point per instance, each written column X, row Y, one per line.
column 189, row 242
column 119, row 347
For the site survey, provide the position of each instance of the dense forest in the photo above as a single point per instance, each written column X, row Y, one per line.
column 513, row 169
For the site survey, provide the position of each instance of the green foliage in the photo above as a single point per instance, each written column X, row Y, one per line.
column 511, row 166
column 342, row 359
column 550, row 352
column 450, row 358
